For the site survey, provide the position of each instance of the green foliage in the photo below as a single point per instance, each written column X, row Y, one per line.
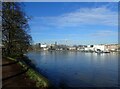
column 40, row 80
column 15, row 37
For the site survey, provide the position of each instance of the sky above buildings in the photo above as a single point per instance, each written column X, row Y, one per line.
column 73, row 23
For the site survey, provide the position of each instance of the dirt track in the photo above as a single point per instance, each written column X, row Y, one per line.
column 17, row 82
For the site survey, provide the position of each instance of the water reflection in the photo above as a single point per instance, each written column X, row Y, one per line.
column 76, row 69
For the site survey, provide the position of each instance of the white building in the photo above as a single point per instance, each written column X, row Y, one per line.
column 72, row 48
column 102, row 48
column 43, row 45
column 89, row 49
column 80, row 49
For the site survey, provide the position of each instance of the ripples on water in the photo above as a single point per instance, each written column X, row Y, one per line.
column 77, row 69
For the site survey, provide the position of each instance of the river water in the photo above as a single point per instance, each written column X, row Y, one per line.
column 77, row 69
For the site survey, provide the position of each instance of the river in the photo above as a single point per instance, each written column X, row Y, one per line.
column 77, row 69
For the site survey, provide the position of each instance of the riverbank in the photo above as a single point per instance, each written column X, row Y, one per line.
column 29, row 79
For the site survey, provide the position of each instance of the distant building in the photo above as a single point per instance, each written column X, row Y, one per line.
column 43, row 45
column 89, row 48
column 55, row 43
column 105, row 48
column 112, row 47
column 86, row 48
column 80, row 49
column 99, row 47
column 72, row 48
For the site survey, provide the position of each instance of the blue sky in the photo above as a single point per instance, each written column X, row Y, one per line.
column 73, row 23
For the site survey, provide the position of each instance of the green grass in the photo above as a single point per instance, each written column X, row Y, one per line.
column 40, row 80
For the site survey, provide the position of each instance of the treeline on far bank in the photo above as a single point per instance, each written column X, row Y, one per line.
column 15, row 30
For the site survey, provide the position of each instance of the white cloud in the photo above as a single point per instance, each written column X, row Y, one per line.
column 83, row 16
column 104, row 33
